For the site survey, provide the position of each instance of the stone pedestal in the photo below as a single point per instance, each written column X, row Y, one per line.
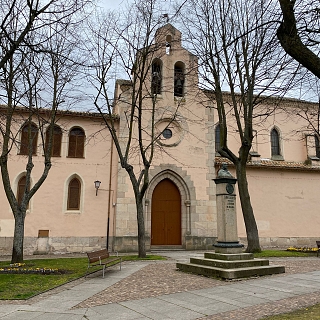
column 227, row 216
column 228, row 261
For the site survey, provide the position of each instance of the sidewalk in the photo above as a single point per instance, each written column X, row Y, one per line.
column 234, row 296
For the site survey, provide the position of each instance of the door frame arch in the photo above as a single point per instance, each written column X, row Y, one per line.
column 185, row 201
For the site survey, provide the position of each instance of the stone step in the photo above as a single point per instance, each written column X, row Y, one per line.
column 166, row 248
column 230, row 273
column 229, row 256
column 229, row 264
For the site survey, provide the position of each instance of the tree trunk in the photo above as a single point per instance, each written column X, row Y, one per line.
column 247, row 211
column 141, row 229
column 17, row 250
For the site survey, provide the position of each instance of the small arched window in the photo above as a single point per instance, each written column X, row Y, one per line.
column 168, row 43
column 56, row 141
column 29, row 138
column 179, row 79
column 21, row 189
column 74, row 193
column 275, row 143
column 317, row 145
column 76, row 143
column 156, row 77
column 217, row 138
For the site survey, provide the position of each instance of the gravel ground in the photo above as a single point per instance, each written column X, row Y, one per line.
column 158, row 278
column 162, row 278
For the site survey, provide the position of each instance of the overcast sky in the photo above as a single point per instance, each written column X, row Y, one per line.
column 112, row 4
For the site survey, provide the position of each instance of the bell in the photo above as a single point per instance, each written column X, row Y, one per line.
column 179, row 83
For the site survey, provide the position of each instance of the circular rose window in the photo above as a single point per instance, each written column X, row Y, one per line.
column 169, row 132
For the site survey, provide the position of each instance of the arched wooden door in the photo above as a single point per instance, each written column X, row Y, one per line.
column 166, row 214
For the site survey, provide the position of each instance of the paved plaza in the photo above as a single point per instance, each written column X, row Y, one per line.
column 226, row 301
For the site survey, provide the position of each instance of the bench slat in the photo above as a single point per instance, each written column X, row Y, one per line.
column 101, row 257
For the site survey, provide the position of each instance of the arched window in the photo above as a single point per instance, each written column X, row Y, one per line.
column 76, row 143
column 217, row 138
column 56, row 141
column 317, row 145
column 21, row 189
column 179, row 79
column 74, row 192
column 168, row 43
column 29, row 140
column 156, row 77
column 275, row 143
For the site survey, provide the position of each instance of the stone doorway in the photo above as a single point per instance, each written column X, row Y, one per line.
column 166, row 214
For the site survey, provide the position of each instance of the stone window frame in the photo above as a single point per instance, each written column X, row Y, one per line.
column 77, row 140
column 279, row 155
column 156, row 71
column 217, row 139
column 56, row 140
column 24, row 138
column 66, row 195
column 317, row 145
column 179, row 75
column 16, row 188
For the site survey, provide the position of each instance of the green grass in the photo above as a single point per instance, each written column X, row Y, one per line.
column 283, row 253
column 309, row 313
column 149, row 257
column 24, row 286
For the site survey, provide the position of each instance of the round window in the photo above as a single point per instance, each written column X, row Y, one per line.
column 167, row 133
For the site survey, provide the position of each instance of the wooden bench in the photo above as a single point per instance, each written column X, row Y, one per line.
column 318, row 245
column 102, row 258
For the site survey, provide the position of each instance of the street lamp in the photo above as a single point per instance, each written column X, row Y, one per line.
column 97, row 185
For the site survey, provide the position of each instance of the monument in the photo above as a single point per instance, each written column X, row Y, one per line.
column 226, row 213
column 228, row 261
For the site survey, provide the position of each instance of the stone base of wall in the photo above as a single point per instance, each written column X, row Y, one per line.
column 33, row 245
column 6, row 244
column 199, row 243
column 284, row 242
column 130, row 244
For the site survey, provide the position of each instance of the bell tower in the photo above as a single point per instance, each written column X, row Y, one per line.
column 178, row 76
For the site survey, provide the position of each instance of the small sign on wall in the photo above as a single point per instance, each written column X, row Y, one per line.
column 43, row 234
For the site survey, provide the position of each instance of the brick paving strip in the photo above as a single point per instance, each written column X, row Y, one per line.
column 162, row 278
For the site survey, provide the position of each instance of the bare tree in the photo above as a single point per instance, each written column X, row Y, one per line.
column 126, row 41
column 299, row 32
column 235, row 42
column 34, row 81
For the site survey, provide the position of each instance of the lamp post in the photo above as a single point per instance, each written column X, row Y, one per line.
column 97, row 185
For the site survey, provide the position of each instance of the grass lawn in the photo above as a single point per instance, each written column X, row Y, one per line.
column 24, row 286
column 283, row 253
column 309, row 313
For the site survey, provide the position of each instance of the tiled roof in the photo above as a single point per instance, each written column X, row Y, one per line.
column 62, row 112
column 272, row 164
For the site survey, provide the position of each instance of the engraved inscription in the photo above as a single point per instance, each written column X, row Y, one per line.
column 230, row 203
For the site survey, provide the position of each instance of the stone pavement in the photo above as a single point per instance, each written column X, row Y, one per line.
column 193, row 304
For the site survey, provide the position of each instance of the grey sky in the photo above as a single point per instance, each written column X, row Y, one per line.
column 112, row 4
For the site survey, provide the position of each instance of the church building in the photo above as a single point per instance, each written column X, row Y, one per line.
column 87, row 201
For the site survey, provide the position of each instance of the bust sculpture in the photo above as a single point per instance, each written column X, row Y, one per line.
column 224, row 172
